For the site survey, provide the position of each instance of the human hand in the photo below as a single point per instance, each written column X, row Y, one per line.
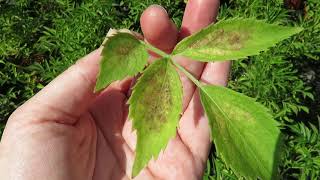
column 68, row 132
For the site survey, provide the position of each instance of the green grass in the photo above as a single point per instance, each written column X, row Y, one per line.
column 40, row 39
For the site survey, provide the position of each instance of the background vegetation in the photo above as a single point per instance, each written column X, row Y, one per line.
column 40, row 39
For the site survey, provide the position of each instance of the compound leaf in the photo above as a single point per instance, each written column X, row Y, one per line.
column 246, row 136
column 233, row 39
column 123, row 55
column 155, row 107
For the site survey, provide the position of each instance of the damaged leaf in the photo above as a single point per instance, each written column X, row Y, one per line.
column 233, row 39
column 123, row 55
column 155, row 107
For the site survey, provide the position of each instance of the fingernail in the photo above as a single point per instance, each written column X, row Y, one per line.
column 159, row 7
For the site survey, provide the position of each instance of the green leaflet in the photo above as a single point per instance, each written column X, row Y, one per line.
column 245, row 135
column 233, row 39
column 123, row 56
column 155, row 107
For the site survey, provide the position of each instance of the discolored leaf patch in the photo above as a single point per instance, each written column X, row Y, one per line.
column 223, row 39
column 155, row 107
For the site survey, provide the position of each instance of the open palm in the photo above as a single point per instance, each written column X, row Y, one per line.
column 68, row 132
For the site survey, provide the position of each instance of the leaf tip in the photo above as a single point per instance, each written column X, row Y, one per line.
column 137, row 168
column 96, row 89
column 134, row 173
column 100, row 85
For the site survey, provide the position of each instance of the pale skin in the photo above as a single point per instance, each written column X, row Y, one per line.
column 68, row 132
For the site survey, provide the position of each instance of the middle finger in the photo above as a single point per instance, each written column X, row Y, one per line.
column 198, row 14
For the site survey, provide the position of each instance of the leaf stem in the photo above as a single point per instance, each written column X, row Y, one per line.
column 189, row 75
column 156, row 50
column 165, row 55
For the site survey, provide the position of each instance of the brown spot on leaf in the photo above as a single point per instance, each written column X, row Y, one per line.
column 222, row 39
column 158, row 101
column 237, row 40
column 124, row 50
column 234, row 38
column 210, row 39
